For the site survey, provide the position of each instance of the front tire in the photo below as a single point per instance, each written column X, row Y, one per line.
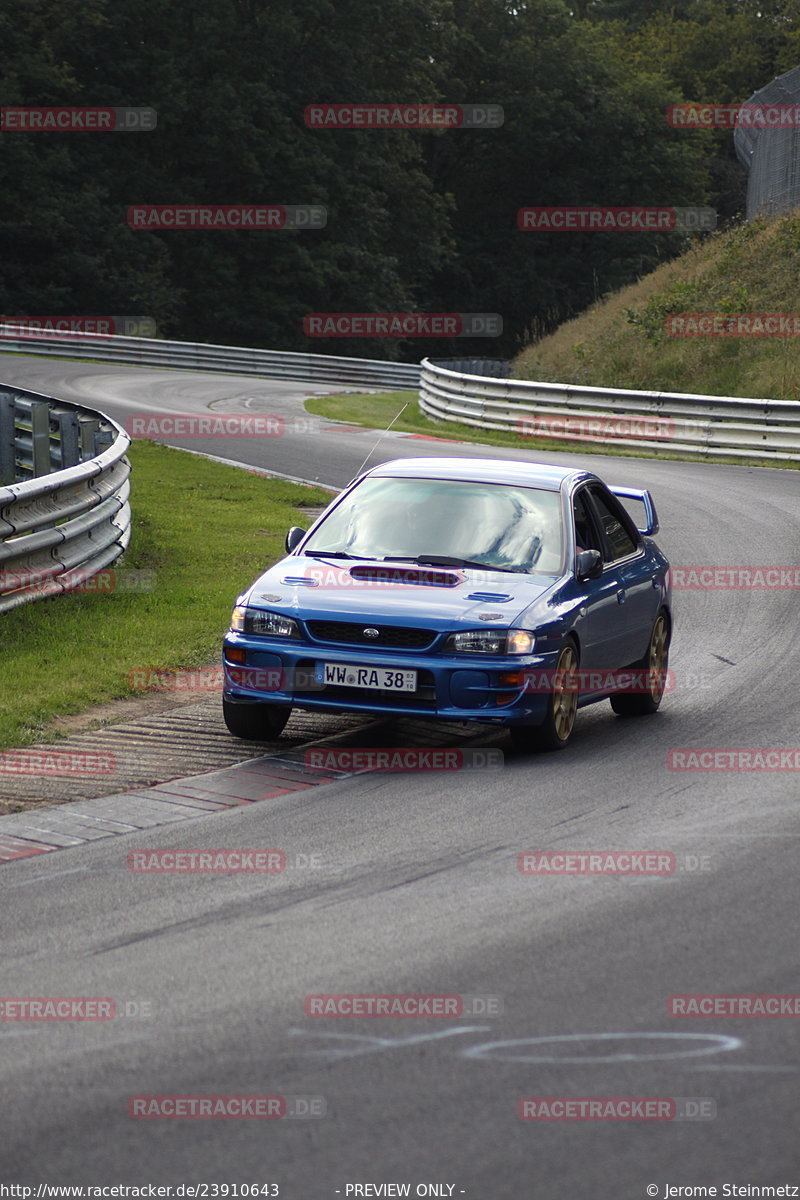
column 255, row 722
column 655, row 663
column 562, row 705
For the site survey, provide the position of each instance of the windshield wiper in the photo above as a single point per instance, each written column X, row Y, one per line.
column 443, row 560
column 334, row 554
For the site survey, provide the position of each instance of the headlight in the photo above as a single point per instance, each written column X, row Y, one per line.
column 268, row 624
column 492, row 641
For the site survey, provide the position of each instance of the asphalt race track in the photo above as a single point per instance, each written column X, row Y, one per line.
column 417, row 890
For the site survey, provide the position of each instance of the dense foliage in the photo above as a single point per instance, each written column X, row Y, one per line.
column 417, row 221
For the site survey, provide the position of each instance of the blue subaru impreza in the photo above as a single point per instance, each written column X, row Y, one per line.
column 466, row 589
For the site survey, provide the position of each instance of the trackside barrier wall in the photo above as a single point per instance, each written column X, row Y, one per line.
column 708, row 426
column 196, row 356
column 64, row 495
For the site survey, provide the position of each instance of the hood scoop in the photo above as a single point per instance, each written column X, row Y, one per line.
column 411, row 574
column 490, row 597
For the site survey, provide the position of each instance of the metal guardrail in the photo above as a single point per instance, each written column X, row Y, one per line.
column 498, row 368
column 38, row 435
column 708, row 426
column 59, row 524
column 238, row 360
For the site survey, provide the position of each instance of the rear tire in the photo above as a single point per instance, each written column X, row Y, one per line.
column 256, row 722
column 655, row 663
column 562, row 705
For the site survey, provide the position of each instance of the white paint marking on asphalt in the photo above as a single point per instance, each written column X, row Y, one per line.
column 375, row 1044
column 721, row 1044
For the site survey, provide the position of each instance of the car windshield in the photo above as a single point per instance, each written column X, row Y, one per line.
column 496, row 525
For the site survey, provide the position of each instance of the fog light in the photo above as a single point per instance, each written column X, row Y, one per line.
column 515, row 679
column 511, row 678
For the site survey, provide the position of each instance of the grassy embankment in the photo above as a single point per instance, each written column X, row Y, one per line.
column 621, row 341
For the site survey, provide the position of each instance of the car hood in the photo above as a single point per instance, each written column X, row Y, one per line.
column 399, row 592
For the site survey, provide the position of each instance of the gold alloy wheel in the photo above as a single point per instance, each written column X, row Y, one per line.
column 565, row 692
column 657, row 659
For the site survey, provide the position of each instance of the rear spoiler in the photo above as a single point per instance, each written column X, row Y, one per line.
column 644, row 497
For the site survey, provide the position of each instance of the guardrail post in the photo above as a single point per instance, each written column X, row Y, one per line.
column 40, row 438
column 102, row 440
column 8, row 458
column 69, row 430
column 88, row 430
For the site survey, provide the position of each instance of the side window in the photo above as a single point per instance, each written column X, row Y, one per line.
column 586, row 537
column 617, row 534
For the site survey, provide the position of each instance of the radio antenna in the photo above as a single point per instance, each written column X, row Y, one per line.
column 380, row 439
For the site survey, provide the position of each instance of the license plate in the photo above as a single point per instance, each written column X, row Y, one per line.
column 383, row 679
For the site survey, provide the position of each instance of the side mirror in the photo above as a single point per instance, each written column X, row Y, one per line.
column 294, row 537
column 589, row 564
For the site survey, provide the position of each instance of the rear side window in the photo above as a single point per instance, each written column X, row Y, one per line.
column 618, row 535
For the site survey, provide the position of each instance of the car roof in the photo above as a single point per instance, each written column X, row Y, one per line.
column 487, row 470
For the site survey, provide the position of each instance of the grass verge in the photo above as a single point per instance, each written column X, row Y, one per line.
column 379, row 409
column 201, row 532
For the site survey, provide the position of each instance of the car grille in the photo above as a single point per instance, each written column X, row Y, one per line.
column 351, row 633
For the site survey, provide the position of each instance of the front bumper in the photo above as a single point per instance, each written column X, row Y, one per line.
column 485, row 688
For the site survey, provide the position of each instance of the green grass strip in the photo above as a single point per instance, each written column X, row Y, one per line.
column 201, row 533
